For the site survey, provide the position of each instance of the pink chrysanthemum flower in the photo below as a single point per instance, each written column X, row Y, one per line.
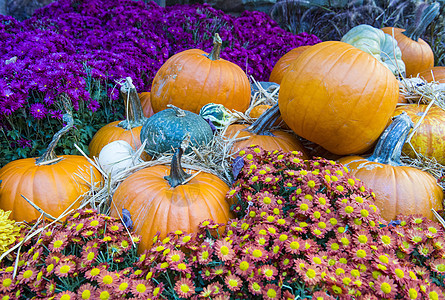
column 86, row 291
column 64, row 269
column 385, row 287
column 184, row 288
column 141, row 288
column 271, row 292
column 66, row 295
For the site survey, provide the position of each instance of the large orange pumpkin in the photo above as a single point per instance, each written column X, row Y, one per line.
column 159, row 200
column 338, row 97
column 429, row 137
column 192, row 78
column 260, row 134
column 51, row 182
column 416, row 53
column 283, row 63
column 128, row 130
column 436, row 74
column 399, row 189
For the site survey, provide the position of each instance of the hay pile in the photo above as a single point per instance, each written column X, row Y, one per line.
column 216, row 157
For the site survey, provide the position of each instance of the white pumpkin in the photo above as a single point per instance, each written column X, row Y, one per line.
column 118, row 156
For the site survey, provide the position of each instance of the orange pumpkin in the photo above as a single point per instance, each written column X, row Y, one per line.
column 192, row 78
column 398, row 189
column 436, row 74
column 259, row 133
column 416, row 53
column 146, row 104
column 128, row 130
column 284, row 62
column 159, row 202
column 429, row 137
column 338, row 97
column 51, row 182
column 258, row 110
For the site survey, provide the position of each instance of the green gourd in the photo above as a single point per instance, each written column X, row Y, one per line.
column 165, row 130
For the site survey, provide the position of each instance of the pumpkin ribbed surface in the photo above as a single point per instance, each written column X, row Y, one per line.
column 398, row 189
column 51, row 187
column 155, row 206
column 165, row 131
column 146, row 104
column 283, row 63
column 189, row 80
column 338, row 97
column 429, row 137
column 280, row 140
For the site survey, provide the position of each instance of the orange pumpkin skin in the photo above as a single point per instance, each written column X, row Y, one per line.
column 112, row 132
column 258, row 110
column 284, row 62
column 417, row 56
column 429, row 138
column 398, row 190
column 146, row 104
column 280, row 141
column 338, row 97
column 438, row 72
column 189, row 80
column 51, row 187
column 155, row 206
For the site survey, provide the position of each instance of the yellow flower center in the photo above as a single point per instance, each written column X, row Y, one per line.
column 141, row 288
column 386, row 288
column 257, row 253
column 104, row 295
column 107, row 279
column 58, row 244
column 27, row 274
column 86, row 294
column 65, row 269
column 94, row 223
column 224, row 250
column 244, row 265
column 6, row 282
column 294, row 245
column 271, row 293
column 185, row 288
column 311, row 273
column 123, row 286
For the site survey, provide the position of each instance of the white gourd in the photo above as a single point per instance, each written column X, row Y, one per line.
column 118, row 156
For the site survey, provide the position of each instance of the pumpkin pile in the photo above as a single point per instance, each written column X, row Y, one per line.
column 206, row 170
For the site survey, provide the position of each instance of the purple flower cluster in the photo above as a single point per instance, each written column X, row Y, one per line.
column 78, row 48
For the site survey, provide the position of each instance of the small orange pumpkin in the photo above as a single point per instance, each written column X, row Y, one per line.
column 128, row 130
column 436, row 74
column 51, row 182
column 259, row 133
column 283, row 63
column 398, row 189
column 159, row 202
column 192, row 78
column 258, row 110
column 416, row 53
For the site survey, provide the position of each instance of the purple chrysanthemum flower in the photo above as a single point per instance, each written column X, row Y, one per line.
column 38, row 110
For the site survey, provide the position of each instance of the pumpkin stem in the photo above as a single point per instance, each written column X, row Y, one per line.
column 262, row 125
column 216, row 50
column 426, row 14
column 49, row 157
column 179, row 112
column 390, row 144
column 135, row 113
column 177, row 175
